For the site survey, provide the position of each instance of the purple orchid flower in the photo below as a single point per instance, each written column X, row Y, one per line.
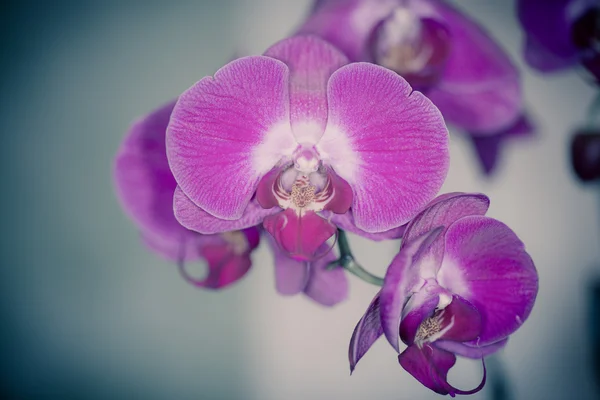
column 145, row 187
column 460, row 285
column 561, row 34
column 439, row 51
column 302, row 141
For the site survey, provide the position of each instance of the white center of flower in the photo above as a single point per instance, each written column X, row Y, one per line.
column 305, row 185
column 306, row 159
column 399, row 45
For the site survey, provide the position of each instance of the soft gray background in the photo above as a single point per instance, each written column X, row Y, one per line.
column 89, row 313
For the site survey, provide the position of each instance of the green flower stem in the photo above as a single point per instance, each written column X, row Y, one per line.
column 348, row 262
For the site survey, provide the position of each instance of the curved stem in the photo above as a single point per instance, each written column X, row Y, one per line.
column 348, row 262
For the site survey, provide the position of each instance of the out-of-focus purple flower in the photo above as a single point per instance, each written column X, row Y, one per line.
column 460, row 285
column 585, row 154
column 439, row 51
column 301, row 141
column 145, row 187
column 561, row 33
column 327, row 287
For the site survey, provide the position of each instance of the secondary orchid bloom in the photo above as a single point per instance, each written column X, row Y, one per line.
column 460, row 285
column 145, row 186
column 439, row 51
column 302, row 141
column 561, row 34
column 326, row 287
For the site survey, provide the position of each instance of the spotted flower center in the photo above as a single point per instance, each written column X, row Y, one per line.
column 304, row 185
column 432, row 328
column 303, row 193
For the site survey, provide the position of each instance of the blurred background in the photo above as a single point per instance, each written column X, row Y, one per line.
column 89, row 313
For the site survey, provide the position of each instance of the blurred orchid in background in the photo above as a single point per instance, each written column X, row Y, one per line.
column 460, row 285
column 279, row 139
column 145, row 186
column 441, row 52
column 561, row 34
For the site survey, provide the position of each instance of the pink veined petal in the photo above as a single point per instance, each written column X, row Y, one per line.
column 479, row 89
column 291, row 276
column 444, row 211
column 311, row 62
column 145, row 184
column 228, row 131
column 486, row 264
column 346, row 222
column 430, row 366
column 193, row 217
column 225, row 267
column 400, row 279
column 326, row 287
column 299, row 236
column 390, row 144
column 470, row 351
column 366, row 332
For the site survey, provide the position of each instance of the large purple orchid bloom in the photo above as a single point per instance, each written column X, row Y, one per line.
column 560, row 34
column 460, row 285
column 302, row 141
column 440, row 52
column 145, row 187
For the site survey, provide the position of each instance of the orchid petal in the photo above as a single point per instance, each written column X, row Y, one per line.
column 300, row 236
column 444, row 211
column 174, row 248
column 193, row 217
column 228, row 131
column 326, row 287
column 366, row 332
column 470, row 351
column 486, row 264
column 430, row 366
column 488, row 146
column 311, row 62
column 479, row 89
column 400, row 280
column 390, row 144
column 341, row 198
column 145, row 184
column 460, row 320
column 291, row 275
